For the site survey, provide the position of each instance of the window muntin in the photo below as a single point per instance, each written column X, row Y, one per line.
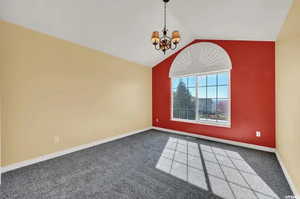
column 202, row 98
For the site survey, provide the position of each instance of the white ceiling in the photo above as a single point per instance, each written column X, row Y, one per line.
column 123, row 27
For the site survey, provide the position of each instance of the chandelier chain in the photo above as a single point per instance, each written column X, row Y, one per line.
column 165, row 17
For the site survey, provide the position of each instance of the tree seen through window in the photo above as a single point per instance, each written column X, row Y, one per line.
column 203, row 97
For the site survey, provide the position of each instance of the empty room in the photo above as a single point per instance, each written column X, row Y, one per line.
column 160, row 99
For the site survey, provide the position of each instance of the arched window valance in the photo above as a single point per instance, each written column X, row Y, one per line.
column 200, row 58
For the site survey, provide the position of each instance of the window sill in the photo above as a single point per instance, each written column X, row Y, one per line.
column 203, row 122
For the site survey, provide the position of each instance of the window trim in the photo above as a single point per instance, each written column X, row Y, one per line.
column 204, row 122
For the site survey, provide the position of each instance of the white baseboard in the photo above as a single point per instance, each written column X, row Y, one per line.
column 287, row 176
column 67, row 151
column 252, row 146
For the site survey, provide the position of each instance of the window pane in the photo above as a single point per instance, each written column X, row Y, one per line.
column 174, row 92
column 223, row 92
column 192, row 91
column 184, row 80
column 192, row 82
column 175, row 82
column 212, row 92
column 222, row 110
column 191, row 114
column 202, row 109
column 213, row 97
column 182, row 114
column 211, row 80
column 211, row 109
column 175, row 113
column 184, row 101
column 202, row 81
column 202, row 92
column 223, row 78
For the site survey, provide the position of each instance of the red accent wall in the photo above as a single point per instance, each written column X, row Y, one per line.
column 252, row 94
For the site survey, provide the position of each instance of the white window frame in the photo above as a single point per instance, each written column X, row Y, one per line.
column 205, row 122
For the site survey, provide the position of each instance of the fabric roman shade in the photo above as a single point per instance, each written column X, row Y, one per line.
column 200, row 58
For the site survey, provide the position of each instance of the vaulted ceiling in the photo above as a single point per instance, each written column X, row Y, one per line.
column 123, row 27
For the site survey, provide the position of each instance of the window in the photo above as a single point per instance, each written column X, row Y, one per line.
column 203, row 98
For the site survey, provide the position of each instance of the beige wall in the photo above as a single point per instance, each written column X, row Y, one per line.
column 0, row 122
column 288, row 94
column 55, row 88
column 1, row 100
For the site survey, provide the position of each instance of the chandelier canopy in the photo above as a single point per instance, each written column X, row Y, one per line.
column 165, row 42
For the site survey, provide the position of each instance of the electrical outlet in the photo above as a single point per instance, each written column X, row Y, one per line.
column 258, row 133
column 157, row 120
column 56, row 139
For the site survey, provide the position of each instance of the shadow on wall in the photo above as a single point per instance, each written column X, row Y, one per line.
column 224, row 173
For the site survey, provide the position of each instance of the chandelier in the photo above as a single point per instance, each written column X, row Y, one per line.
column 165, row 42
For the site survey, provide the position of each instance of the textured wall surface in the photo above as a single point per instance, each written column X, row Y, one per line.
column 252, row 95
column 58, row 95
column 288, row 94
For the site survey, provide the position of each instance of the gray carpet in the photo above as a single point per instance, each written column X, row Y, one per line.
column 125, row 169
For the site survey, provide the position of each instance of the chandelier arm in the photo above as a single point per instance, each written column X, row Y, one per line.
column 155, row 47
column 175, row 46
column 165, row 37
